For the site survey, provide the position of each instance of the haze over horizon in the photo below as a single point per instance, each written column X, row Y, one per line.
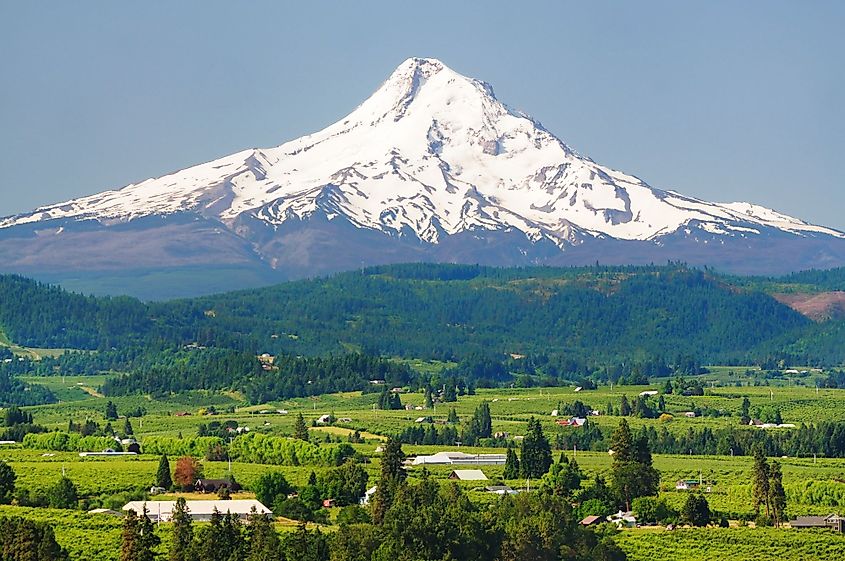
column 107, row 98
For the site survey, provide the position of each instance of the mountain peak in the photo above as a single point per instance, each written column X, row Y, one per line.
column 434, row 158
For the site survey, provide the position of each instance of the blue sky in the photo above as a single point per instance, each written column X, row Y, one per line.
column 721, row 100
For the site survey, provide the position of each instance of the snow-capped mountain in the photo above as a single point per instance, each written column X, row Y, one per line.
column 431, row 167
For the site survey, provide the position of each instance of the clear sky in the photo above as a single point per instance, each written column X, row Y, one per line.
column 721, row 100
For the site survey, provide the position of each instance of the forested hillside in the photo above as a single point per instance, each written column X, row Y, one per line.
column 444, row 312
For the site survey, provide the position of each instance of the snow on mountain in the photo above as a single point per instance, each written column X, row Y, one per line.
column 431, row 154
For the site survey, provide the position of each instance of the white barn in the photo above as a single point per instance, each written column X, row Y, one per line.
column 462, row 459
column 200, row 511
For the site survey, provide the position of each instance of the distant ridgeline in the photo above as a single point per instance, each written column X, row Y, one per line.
column 550, row 323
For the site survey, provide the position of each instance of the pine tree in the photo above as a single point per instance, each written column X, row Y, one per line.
column 129, row 543
column 127, row 428
column 7, row 482
column 111, row 411
column 624, row 406
column 536, row 453
column 482, row 424
column 163, row 478
column 392, row 478
column 148, row 539
column 138, row 537
column 512, row 470
column 429, row 402
column 262, row 541
column 696, row 511
column 63, row 494
column 453, row 417
column 760, row 484
column 232, row 543
column 633, row 473
column 300, row 429
column 449, row 392
column 183, row 531
column 777, row 494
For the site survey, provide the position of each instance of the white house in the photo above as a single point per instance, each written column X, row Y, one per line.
column 623, row 519
column 161, row 511
column 468, row 475
column 649, row 393
column 368, row 496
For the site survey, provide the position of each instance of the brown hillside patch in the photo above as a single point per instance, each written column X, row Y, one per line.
column 818, row 307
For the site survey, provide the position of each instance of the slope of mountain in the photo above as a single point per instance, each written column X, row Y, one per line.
column 432, row 167
column 435, row 311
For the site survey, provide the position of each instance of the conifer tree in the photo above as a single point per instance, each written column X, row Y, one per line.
column 138, row 537
column 183, row 532
column 7, row 482
column 482, row 424
column 262, row 541
column 111, row 411
column 210, row 542
column 512, row 470
column 300, row 429
column 760, row 484
column 536, row 453
column 633, row 473
column 163, row 477
column 777, row 494
column 453, row 417
column 624, row 406
column 127, row 428
column 392, row 478
column 129, row 543
column 429, row 402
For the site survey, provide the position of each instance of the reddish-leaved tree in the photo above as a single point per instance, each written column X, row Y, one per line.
column 187, row 471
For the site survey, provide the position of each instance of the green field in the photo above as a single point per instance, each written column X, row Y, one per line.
column 812, row 486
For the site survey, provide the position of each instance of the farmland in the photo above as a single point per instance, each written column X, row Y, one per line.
column 813, row 485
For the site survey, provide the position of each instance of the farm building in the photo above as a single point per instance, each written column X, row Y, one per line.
column 461, row 458
column 107, row 452
column 572, row 422
column 468, row 475
column 832, row 521
column 368, row 495
column 592, row 520
column 687, row 484
column 200, row 511
column 623, row 519
column 500, row 490
column 214, row 485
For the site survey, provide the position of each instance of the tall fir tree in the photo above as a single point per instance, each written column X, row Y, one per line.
column 300, row 429
column 429, row 402
column 262, row 541
column 482, row 423
column 127, row 428
column 512, row 470
column 163, row 477
column 777, row 494
column 760, row 484
column 183, row 532
column 632, row 470
column 624, row 406
column 111, row 411
column 536, row 453
column 392, row 478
